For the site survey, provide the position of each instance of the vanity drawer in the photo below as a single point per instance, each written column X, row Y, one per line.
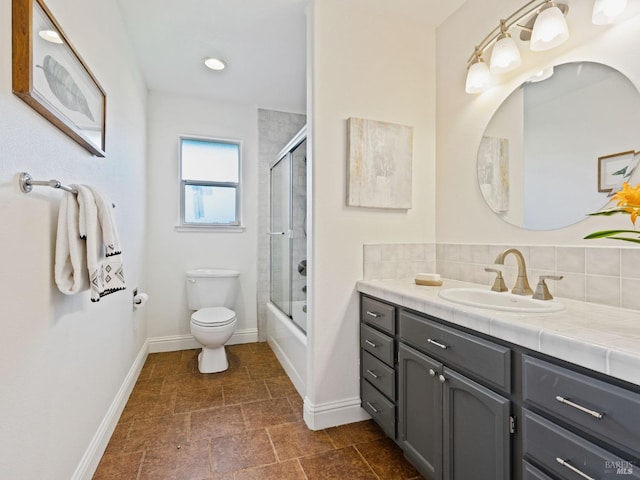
column 376, row 343
column 529, row 472
column 379, row 374
column 485, row 359
column 564, row 453
column 599, row 408
column 380, row 408
column 379, row 314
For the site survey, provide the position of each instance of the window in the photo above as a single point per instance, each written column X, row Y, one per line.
column 210, row 181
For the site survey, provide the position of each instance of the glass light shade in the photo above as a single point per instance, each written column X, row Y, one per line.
column 214, row 63
column 478, row 78
column 549, row 30
column 605, row 11
column 505, row 56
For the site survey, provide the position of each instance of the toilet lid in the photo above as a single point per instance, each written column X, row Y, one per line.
column 213, row 317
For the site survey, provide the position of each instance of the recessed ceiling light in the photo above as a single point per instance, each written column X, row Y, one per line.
column 50, row 36
column 214, row 63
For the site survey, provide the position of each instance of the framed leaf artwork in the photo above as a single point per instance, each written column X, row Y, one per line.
column 50, row 76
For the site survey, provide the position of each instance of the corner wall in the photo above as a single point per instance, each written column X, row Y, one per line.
column 370, row 64
column 63, row 358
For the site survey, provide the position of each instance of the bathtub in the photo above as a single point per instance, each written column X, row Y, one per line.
column 289, row 343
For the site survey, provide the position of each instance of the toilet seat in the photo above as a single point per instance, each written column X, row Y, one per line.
column 213, row 317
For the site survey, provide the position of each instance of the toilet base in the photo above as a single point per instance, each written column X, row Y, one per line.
column 212, row 360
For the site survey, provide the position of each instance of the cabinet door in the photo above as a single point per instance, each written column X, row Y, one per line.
column 477, row 442
column 420, row 411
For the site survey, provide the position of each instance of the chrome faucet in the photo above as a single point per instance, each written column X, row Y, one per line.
column 522, row 283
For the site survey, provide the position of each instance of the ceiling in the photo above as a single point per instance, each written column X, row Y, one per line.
column 263, row 43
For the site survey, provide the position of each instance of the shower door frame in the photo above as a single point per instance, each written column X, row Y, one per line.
column 285, row 154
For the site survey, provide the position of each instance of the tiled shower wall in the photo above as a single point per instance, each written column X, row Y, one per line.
column 275, row 130
column 604, row 275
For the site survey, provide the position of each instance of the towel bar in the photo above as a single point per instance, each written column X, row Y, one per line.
column 27, row 182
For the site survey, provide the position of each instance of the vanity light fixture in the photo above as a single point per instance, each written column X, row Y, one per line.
column 542, row 23
column 505, row 55
column 214, row 63
column 606, row 11
column 479, row 77
column 550, row 28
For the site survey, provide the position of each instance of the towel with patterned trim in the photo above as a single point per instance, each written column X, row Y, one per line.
column 104, row 255
column 88, row 254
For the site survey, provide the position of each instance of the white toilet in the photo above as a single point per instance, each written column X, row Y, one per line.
column 212, row 293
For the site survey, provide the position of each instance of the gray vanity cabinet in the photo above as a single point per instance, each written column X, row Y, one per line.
column 420, row 415
column 449, row 426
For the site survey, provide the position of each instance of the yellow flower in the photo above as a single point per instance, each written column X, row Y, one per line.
column 629, row 199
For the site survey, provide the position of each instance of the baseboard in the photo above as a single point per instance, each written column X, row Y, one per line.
column 91, row 458
column 173, row 343
column 331, row 414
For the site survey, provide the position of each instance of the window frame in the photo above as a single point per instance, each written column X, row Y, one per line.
column 237, row 224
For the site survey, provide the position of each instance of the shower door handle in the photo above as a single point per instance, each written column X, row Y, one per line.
column 277, row 233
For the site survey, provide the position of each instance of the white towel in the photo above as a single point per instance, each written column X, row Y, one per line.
column 70, row 270
column 88, row 254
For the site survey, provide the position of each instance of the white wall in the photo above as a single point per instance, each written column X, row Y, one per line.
column 463, row 216
column 364, row 63
column 63, row 358
column 169, row 252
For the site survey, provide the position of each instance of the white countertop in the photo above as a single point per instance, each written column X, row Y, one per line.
column 604, row 339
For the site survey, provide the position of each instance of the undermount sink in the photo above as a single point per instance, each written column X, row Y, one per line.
column 476, row 297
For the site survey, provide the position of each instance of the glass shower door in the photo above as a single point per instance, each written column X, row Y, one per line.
column 280, row 243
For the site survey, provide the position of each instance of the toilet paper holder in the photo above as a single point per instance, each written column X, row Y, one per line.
column 139, row 299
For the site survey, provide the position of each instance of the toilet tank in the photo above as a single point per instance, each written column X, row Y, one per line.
column 210, row 287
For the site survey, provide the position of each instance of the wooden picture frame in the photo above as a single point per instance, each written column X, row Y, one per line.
column 50, row 76
column 615, row 169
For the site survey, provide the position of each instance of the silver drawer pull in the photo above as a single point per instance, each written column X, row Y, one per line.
column 370, row 405
column 442, row 378
column 593, row 413
column 566, row 464
column 373, row 314
column 370, row 343
column 437, row 344
column 373, row 374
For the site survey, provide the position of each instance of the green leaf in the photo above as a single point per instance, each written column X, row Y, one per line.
column 634, row 240
column 608, row 233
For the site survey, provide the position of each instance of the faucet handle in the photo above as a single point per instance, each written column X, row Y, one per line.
column 542, row 291
column 498, row 284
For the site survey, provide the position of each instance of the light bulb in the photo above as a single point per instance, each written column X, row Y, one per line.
column 505, row 55
column 605, row 11
column 478, row 77
column 549, row 30
column 214, row 63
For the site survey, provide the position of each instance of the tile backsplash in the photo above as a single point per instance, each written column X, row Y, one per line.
column 604, row 275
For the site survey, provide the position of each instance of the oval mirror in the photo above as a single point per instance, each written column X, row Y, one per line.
column 560, row 145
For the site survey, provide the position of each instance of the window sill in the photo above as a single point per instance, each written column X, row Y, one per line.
column 210, row 228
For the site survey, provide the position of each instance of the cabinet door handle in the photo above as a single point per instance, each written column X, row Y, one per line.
column 373, row 374
column 432, row 372
column 566, row 464
column 370, row 343
column 370, row 405
column 437, row 344
column 373, row 314
column 442, row 378
column 588, row 411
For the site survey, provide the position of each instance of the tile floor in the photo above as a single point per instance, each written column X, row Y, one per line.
column 242, row 424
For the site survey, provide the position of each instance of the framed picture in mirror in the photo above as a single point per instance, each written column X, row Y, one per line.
column 50, row 76
column 615, row 169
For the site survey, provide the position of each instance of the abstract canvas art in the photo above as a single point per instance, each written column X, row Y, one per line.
column 379, row 156
column 493, row 172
